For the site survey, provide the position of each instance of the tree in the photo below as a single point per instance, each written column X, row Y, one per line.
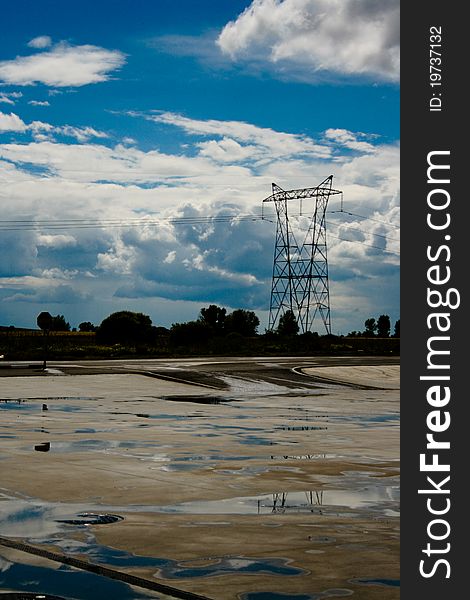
column 86, row 326
column 371, row 327
column 288, row 324
column 189, row 334
column 383, row 326
column 59, row 323
column 397, row 329
column 354, row 334
column 214, row 317
column 125, row 327
column 244, row 322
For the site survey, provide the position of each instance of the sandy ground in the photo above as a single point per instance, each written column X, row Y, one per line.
column 270, row 469
column 380, row 377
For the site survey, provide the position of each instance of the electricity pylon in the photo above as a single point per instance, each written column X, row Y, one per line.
column 300, row 271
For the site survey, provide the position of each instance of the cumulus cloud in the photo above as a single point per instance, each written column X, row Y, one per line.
column 11, row 122
column 149, row 235
column 63, row 66
column 42, row 41
column 310, row 38
column 56, row 241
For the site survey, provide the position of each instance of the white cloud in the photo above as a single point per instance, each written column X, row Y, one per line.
column 170, row 257
column 44, row 131
column 63, row 66
column 278, row 143
column 95, row 162
column 309, row 38
column 229, row 172
column 56, row 241
column 42, row 41
column 350, row 140
column 39, row 103
column 11, row 122
column 82, row 134
column 228, row 150
column 6, row 100
column 10, row 97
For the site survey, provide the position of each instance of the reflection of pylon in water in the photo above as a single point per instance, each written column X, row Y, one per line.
column 280, row 501
column 300, row 271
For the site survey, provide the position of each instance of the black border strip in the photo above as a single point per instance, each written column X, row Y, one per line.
column 433, row 120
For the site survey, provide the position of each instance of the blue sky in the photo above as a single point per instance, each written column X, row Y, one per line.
column 132, row 114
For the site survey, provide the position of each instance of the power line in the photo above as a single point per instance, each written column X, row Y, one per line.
column 363, row 217
column 6, row 224
column 381, row 235
column 77, row 224
column 364, row 244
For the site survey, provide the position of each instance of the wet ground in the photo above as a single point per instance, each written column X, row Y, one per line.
column 250, row 479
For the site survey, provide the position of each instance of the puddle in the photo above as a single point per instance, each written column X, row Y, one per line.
column 19, row 403
column 378, row 581
column 172, row 569
column 301, row 428
column 28, row 596
column 366, row 420
column 292, row 502
column 318, row 456
column 48, row 583
column 36, row 520
column 92, row 519
column 231, row 564
column 236, row 427
column 96, row 445
column 188, row 463
column 256, row 440
column 258, row 470
column 38, row 523
column 50, row 524
column 198, row 399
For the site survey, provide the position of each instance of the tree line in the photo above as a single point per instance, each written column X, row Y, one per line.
column 378, row 328
column 213, row 321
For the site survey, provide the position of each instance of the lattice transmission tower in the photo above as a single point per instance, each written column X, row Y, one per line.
column 300, row 271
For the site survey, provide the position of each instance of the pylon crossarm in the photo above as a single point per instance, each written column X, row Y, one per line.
column 323, row 188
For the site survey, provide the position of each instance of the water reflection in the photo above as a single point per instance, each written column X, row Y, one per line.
column 377, row 497
column 65, row 581
column 377, row 581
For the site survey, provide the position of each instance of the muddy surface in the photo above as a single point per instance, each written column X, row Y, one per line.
column 244, row 479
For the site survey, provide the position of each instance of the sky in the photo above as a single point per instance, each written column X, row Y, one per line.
column 126, row 127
